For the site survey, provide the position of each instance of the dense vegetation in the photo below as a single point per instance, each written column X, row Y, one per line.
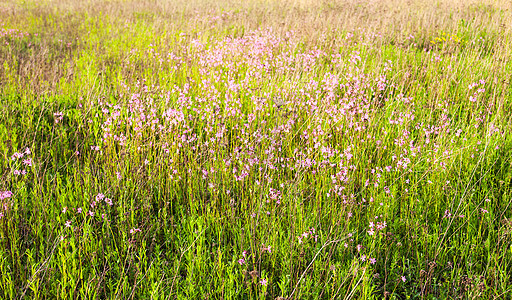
column 255, row 150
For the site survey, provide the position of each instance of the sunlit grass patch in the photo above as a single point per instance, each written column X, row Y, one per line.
column 254, row 151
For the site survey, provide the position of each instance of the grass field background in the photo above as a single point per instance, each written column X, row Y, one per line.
column 255, row 149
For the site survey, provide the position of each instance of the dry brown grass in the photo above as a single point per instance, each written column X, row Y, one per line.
column 310, row 17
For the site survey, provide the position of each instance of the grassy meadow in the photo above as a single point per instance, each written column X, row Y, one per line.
column 256, row 149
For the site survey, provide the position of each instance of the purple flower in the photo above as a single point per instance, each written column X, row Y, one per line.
column 263, row 282
column 5, row 194
column 28, row 162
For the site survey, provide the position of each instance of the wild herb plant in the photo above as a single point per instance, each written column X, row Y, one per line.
column 255, row 150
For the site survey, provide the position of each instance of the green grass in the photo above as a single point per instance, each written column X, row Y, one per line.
column 218, row 138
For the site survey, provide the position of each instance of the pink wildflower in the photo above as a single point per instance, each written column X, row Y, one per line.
column 263, row 282
column 28, row 162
